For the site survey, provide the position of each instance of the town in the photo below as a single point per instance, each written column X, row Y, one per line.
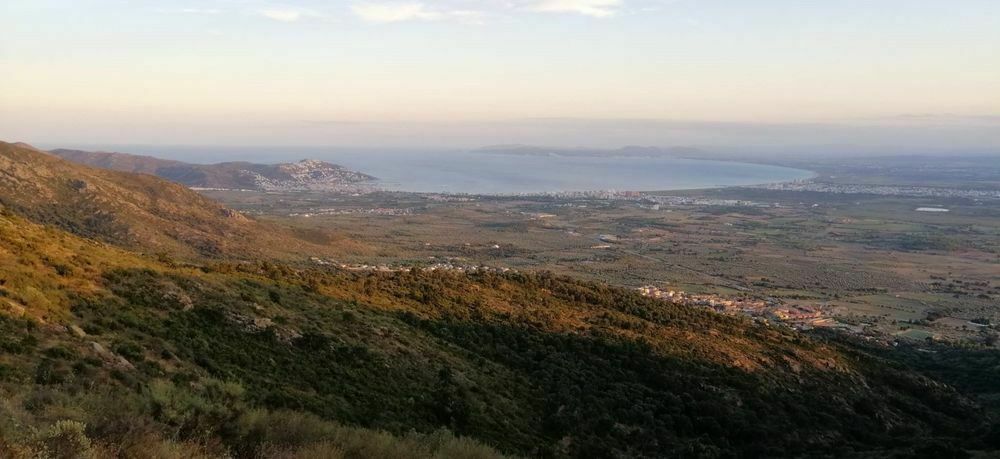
column 446, row 265
column 771, row 309
column 383, row 211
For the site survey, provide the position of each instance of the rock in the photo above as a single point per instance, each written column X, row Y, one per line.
column 77, row 331
column 99, row 350
column 111, row 358
column 235, row 215
column 177, row 296
column 123, row 363
column 251, row 324
column 287, row 335
column 261, row 323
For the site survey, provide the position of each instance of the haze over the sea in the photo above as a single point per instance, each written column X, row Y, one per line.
column 886, row 76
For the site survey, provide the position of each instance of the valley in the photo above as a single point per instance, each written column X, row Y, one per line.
column 872, row 263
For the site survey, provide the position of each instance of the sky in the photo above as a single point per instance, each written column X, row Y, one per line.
column 465, row 73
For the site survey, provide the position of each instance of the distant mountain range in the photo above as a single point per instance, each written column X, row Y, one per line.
column 305, row 175
column 631, row 151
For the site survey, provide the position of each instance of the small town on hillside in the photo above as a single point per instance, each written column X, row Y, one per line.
column 797, row 316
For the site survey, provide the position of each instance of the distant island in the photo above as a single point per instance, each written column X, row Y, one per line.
column 305, row 175
column 631, row 151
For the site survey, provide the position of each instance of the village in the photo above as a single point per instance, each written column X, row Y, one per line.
column 446, row 265
column 773, row 310
column 380, row 211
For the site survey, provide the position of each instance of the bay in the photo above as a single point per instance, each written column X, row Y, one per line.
column 486, row 173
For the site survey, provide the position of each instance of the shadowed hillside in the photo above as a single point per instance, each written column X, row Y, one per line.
column 530, row 363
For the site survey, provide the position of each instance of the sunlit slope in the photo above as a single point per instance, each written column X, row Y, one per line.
column 138, row 211
column 42, row 268
column 530, row 363
column 303, row 175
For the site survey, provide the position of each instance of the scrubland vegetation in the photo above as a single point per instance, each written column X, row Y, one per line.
column 262, row 359
column 108, row 352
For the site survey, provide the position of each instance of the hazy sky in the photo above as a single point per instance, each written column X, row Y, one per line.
column 473, row 72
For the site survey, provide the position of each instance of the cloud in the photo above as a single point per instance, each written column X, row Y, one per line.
column 394, row 12
column 189, row 10
column 200, row 11
column 384, row 13
column 287, row 14
column 593, row 8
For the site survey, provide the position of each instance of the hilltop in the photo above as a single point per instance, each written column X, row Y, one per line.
column 305, row 175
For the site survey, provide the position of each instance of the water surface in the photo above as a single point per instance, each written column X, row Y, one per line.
column 476, row 172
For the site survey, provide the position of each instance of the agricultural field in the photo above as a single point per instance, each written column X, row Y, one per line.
column 874, row 262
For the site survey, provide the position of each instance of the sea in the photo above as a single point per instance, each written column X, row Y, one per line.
column 477, row 172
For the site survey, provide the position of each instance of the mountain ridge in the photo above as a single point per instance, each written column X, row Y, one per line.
column 304, row 175
column 136, row 211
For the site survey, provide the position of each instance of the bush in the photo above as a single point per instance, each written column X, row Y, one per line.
column 198, row 413
column 296, row 435
column 66, row 440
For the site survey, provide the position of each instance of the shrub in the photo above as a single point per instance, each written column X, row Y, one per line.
column 66, row 440
column 197, row 413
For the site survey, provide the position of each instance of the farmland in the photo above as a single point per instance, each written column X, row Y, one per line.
column 879, row 266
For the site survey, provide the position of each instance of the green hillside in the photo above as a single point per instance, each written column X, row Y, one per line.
column 105, row 352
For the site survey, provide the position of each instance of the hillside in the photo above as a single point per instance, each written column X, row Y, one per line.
column 72, row 388
column 305, row 175
column 108, row 350
column 131, row 210
column 247, row 358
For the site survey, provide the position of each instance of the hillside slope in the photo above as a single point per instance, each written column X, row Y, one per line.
column 105, row 349
column 73, row 388
column 305, row 175
column 530, row 363
column 132, row 210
